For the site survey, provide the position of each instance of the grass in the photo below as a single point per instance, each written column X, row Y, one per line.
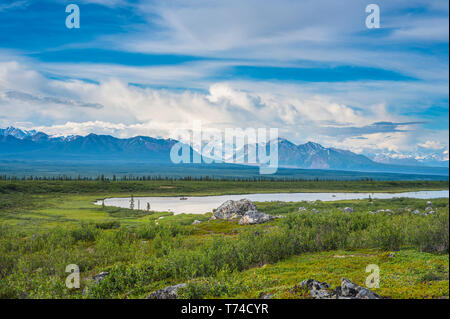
column 41, row 233
column 281, row 278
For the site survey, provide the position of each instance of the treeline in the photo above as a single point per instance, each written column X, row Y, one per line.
column 115, row 178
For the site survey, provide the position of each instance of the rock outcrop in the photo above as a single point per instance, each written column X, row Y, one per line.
column 347, row 290
column 234, row 209
column 196, row 222
column 255, row 217
column 170, row 292
column 348, row 210
column 244, row 210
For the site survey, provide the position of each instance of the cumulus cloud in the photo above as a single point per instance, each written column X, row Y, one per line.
column 432, row 145
column 120, row 109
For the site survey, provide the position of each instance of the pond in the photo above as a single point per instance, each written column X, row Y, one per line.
column 204, row 204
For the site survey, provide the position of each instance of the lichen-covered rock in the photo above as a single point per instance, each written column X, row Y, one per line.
column 350, row 289
column 348, row 210
column 314, row 284
column 255, row 217
column 170, row 292
column 317, row 289
column 234, row 209
column 347, row 290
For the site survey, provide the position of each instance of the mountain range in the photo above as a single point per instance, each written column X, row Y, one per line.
column 17, row 144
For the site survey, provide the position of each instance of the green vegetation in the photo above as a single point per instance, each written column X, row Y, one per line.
column 210, row 187
column 45, row 226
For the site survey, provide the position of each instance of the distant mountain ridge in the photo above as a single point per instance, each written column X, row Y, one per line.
column 31, row 145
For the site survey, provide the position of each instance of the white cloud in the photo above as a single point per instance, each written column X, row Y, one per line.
column 432, row 145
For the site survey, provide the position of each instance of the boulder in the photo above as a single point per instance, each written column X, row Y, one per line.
column 196, row 222
column 429, row 204
column 347, row 290
column 416, row 211
column 255, row 217
column 234, row 209
column 170, row 292
column 317, row 289
column 348, row 210
column 350, row 289
column 314, row 284
column 301, row 209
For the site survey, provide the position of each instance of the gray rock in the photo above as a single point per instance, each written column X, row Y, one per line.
column 266, row 296
column 348, row 210
column 301, row 209
column 170, row 292
column 100, row 276
column 416, row 211
column 350, row 289
column 365, row 293
column 234, row 209
column 347, row 290
column 196, row 222
column 429, row 204
column 255, row 217
column 314, row 284
column 320, row 294
column 317, row 289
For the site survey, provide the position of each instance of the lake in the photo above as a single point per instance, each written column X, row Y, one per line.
column 204, row 204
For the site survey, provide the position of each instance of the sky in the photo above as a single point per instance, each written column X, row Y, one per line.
column 310, row 68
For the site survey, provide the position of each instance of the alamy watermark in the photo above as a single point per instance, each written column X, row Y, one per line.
column 250, row 146
column 373, row 280
column 73, row 19
column 373, row 19
column 73, row 280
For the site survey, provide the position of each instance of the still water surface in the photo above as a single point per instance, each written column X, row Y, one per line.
column 204, row 204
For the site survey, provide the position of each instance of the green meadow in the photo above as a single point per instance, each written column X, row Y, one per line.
column 47, row 225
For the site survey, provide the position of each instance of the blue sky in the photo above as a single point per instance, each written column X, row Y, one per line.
column 310, row 68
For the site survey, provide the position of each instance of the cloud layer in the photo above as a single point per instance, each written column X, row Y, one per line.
column 309, row 68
